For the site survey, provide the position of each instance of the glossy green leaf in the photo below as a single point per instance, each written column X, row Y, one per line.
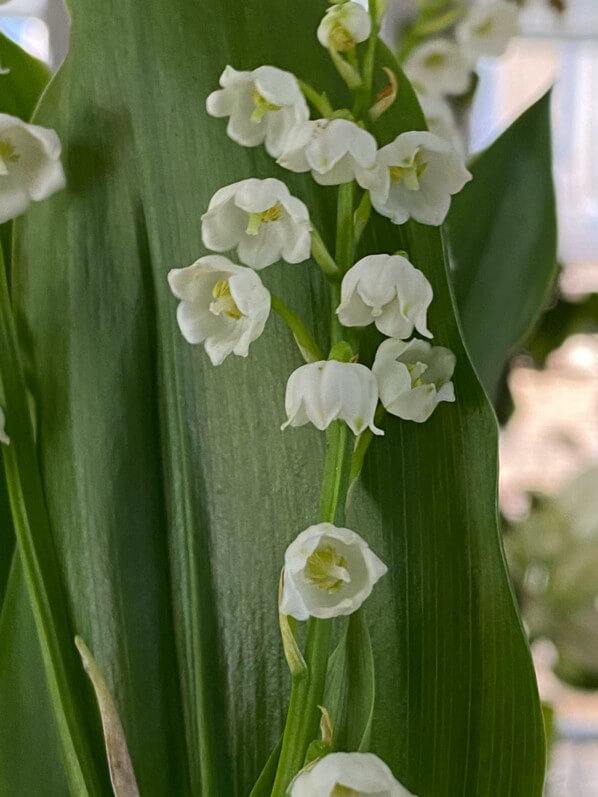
column 502, row 233
column 350, row 687
column 173, row 491
column 29, row 753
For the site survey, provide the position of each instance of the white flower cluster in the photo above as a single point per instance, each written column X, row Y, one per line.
column 441, row 67
column 328, row 570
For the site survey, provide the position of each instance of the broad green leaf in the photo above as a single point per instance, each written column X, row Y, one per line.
column 29, row 754
column 75, row 723
column 502, row 233
column 349, row 695
column 173, row 491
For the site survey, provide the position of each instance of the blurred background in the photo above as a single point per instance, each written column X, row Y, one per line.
column 548, row 408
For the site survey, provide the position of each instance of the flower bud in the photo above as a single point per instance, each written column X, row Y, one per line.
column 344, row 25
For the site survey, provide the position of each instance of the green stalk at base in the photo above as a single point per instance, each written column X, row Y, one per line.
column 301, row 726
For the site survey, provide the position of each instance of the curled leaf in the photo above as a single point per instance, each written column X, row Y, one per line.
column 346, row 70
column 386, row 96
column 122, row 775
column 326, row 726
column 292, row 653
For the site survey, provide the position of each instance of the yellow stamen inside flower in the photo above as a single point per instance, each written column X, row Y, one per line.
column 435, row 61
column 8, row 154
column 262, row 106
column 410, row 171
column 223, row 303
column 416, row 370
column 256, row 219
column 484, row 28
column 340, row 39
column 327, row 569
column 344, row 791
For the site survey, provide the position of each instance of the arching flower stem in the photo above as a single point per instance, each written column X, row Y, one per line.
column 362, row 445
column 363, row 97
column 307, row 345
column 306, row 694
column 301, row 725
column 320, row 101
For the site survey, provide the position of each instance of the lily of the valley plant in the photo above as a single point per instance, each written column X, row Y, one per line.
column 222, row 304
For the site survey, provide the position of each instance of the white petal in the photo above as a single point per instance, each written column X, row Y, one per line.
column 14, row 198
column 439, row 67
column 277, row 86
column 363, row 773
column 435, row 367
column 487, row 29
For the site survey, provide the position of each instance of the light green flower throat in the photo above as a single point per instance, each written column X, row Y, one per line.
column 257, row 219
column 409, row 172
column 327, row 569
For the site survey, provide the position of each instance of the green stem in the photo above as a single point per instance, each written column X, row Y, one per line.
column 301, row 725
column 362, row 445
column 344, row 226
column 320, row 253
column 319, row 101
column 306, row 694
column 307, row 345
column 47, row 596
column 363, row 100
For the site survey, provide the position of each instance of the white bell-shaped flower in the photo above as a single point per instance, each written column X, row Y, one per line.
column 344, row 25
column 334, row 150
column 262, row 106
column 328, row 572
column 329, row 390
column 348, row 774
column 487, row 29
column 438, row 66
column 30, row 166
column 223, row 306
column 262, row 219
column 390, row 292
column 423, row 171
column 4, row 438
column 413, row 377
